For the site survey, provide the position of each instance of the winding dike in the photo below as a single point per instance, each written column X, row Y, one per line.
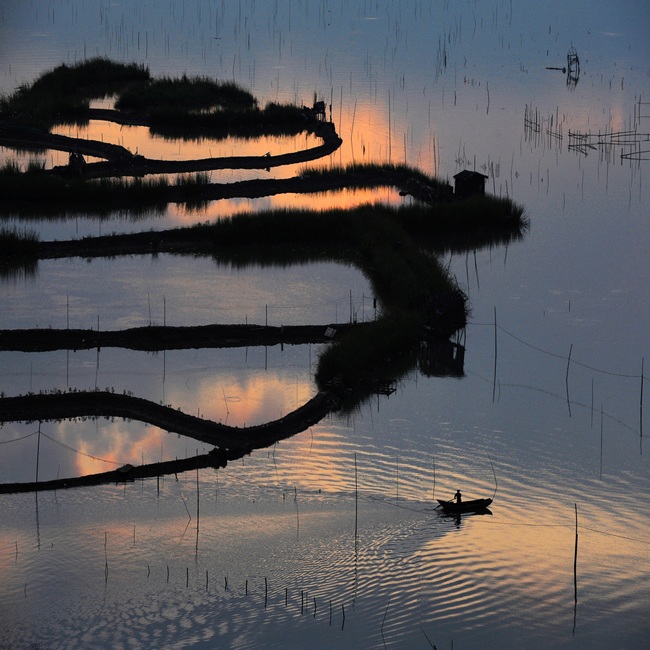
column 119, row 161
column 429, row 306
column 229, row 442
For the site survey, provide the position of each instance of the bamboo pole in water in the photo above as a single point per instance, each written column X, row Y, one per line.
column 356, row 502
column 383, row 620
column 38, row 449
column 575, row 561
column 601, row 440
column 494, row 378
column 566, row 379
column 641, row 403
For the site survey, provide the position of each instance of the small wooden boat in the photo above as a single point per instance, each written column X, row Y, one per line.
column 465, row 506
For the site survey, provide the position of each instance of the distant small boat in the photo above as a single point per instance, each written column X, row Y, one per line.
column 465, row 506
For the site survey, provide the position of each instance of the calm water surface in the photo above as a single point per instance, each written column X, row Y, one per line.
column 331, row 539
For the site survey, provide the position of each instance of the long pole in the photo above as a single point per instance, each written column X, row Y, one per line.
column 575, row 576
column 356, row 502
column 641, row 403
column 38, row 449
column 494, row 378
column 566, row 379
column 575, row 561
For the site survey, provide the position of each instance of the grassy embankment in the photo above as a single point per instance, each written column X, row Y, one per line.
column 63, row 94
column 34, row 192
column 197, row 107
column 378, row 240
column 370, row 238
column 183, row 107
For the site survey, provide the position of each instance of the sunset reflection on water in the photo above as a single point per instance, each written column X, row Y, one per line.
column 139, row 140
column 343, row 514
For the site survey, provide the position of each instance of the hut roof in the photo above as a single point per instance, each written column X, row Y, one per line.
column 467, row 174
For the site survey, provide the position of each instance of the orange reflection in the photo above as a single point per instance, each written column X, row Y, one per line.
column 106, row 445
column 335, row 200
column 369, row 131
column 315, row 461
column 119, row 444
column 617, row 120
column 249, row 401
column 342, row 199
column 139, row 140
column 374, row 130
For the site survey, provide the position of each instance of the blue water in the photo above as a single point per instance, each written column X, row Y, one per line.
column 548, row 413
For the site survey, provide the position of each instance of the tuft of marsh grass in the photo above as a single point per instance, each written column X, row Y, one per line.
column 11, row 169
column 185, row 94
column 68, row 89
column 247, row 122
column 18, row 243
column 184, row 107
column 384, row 348
column 375, row 170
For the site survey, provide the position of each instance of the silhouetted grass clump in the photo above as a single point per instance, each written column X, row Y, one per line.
column 67, row 90
column 374, row 172
column 285, row 226
column 471, row 215
column 381, row 350
column 253, row 122
column 184, row 107
column 18, row 243
column 47, row 189
column 35, row 191
column 194, row 107
column 185, row 94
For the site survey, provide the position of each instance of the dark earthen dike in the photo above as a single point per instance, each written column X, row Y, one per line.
column 156, row 338
column 229, row 442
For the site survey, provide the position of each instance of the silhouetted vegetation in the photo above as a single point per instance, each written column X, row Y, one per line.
column 189, row 94
column 35, row 191
column 374, row 170
column 273, row 119
column 67, row 90
column 369, row 237
column 387, row 244
column 18, row 243
column 201, row 107
column 184, row 107
column 370, row 354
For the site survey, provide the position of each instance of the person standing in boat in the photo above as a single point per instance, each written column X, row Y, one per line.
column 458, row 496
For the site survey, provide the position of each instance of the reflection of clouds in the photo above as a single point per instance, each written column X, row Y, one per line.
column 74, row 448
column 86, row 446
column 343, row 200
column 247, row 400
column 118, row 443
